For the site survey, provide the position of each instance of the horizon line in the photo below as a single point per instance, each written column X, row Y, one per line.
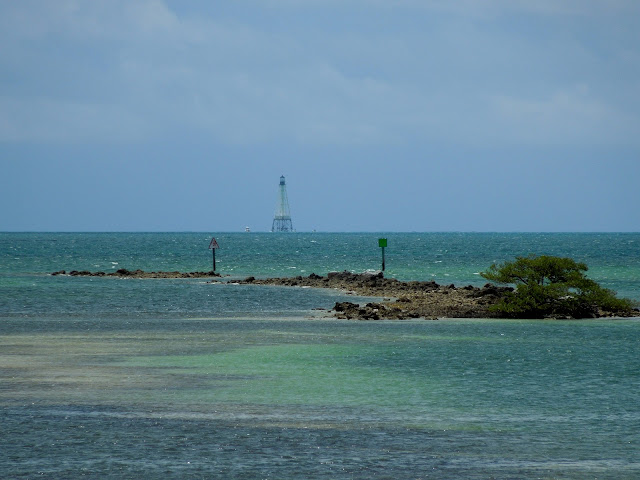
column 319, row 231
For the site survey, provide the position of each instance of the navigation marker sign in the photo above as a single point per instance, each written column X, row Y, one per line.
column 212, row 246
column 382, row 243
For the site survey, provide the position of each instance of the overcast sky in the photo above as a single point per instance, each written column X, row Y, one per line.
column 384, row 115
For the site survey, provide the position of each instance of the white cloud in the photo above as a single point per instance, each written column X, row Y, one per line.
column 141, row 69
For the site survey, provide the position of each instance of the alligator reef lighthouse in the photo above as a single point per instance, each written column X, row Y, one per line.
column 282, row 219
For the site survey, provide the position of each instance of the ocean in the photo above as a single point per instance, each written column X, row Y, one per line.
column 104, row 377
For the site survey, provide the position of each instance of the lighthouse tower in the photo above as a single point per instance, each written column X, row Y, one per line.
column 282, row 219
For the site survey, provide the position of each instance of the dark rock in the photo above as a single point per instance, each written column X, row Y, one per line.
column 488, row 289
column 492, row 290
column 344, row 306
column 83, row 273
column 123, row 272
column 371, row 311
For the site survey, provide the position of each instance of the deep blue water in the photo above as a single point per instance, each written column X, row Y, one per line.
column 121, row 378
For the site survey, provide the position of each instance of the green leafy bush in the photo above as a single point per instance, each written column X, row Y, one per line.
column 549, row 286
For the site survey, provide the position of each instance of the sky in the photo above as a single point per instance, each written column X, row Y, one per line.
column 383, row 115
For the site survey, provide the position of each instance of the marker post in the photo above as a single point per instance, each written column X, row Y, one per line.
column 213, row 246
column 382, row 243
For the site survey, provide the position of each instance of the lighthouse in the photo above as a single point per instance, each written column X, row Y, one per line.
column 282, row 218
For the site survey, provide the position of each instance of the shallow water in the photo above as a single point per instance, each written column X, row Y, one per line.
column 114, row 378
column 314, row 398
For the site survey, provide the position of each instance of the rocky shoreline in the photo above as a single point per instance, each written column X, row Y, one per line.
column 404, row 299
column 124, row 273
column 401, row 300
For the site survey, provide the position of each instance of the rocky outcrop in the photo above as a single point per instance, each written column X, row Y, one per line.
column 371, row 311
column 124, row 273
column 408, row 299
column 402, row 300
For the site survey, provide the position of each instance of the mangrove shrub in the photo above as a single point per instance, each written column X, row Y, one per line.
column 547, row 286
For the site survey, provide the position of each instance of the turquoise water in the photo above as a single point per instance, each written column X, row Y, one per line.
column 614, row 259
column 117, row 378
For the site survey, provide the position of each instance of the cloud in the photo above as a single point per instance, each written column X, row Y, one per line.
column 566, row 117
column 122, row 71
column 47, row 120
column 472, row 8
